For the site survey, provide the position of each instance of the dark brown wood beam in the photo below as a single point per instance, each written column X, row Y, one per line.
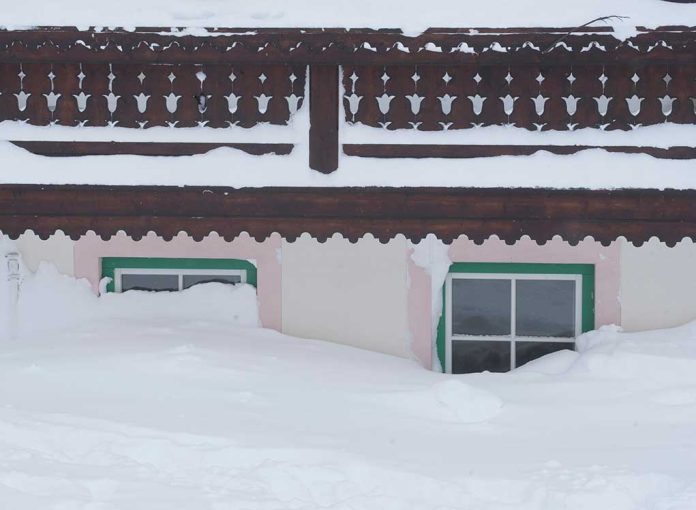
column 510, row 214
column 60, row 149
column 323, row 117
column 485, row 151
column 339, row 46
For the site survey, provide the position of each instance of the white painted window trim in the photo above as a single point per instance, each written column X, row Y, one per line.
column 180, row 273
column 512, row 338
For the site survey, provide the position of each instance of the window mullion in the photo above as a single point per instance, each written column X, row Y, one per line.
column 448, row 325
column 578, row 305
column 513, row 321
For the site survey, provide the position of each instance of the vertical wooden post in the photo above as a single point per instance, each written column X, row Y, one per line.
column 323, row 118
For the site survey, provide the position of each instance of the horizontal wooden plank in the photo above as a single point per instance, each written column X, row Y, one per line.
column 339, row 30
column 337, row 46
column 59, row 149
column 540, row 231
column 384, row 212
column 485, row 151
column 350, row 203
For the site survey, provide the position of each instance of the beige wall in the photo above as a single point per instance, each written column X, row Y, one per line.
column 353, row 294
column 57, row 249
column 358, row 293
column 658, row 285
column 90, row 249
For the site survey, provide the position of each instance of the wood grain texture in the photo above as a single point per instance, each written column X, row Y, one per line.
column 341, row 46
column 638, row 215
column 66, row 149
column 430, row 82
column 485, row 151
column 323, row 121
column 144, row 95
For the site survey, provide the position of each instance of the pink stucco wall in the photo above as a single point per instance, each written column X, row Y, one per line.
column 606, row 260
column 90, row 248
column 419, row 312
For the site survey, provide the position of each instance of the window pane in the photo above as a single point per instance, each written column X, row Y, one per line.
column 194, row 279
column 546, row 308
column 156, row 282
column 480, row 307
column 527, row 351
column 476, row 356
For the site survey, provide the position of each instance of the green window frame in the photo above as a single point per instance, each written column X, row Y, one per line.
column 109, row 266
column 584, row 272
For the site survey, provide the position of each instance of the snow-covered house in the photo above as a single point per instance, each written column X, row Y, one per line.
column 470, row 198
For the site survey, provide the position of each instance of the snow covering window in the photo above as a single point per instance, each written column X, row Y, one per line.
column 173, row 274
column 499, row 316
column 128, row 280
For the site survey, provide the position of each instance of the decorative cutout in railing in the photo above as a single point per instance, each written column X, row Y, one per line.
column 146, row 95
column 442, row 79
column 453, row 46
column 536, row 97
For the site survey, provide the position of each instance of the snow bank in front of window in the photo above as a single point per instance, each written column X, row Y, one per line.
column 153, row 415
column 6, row 295
column 50, row 301
column 664, row 356
column 449, row 401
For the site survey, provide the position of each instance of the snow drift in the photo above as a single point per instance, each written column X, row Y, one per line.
column 177, row 401
column 6, row 246
column 62, row 302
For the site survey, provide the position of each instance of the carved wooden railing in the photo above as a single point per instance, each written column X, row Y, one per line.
column 536, row 79
column 148, row 95
column 536, row 97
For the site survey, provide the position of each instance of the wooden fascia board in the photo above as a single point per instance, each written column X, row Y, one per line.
column 339, row 46
column 637, row 215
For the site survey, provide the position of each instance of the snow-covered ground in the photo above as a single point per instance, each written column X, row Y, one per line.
column 151, row 403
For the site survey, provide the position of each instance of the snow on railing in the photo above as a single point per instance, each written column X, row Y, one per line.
column 534, row 79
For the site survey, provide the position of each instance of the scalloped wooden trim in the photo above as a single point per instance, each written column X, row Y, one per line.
column 448, row 213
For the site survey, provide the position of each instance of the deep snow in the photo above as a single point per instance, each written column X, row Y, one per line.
column 137, row 408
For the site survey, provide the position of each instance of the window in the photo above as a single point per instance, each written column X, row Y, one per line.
column 169, row 274
column 499, row 316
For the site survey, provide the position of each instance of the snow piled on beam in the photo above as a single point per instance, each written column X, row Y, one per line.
column 591, row 169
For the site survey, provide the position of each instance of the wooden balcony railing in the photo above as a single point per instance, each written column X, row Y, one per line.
column 535, row 79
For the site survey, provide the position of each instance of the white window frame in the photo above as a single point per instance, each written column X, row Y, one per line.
column 512, row 338
column 180, row 273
